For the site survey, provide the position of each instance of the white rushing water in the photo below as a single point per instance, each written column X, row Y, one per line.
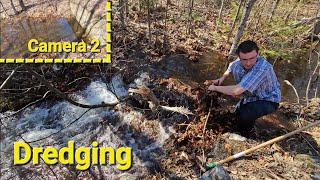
column 111, row 127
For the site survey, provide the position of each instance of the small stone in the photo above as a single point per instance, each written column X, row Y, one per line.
column 127, row 176
column 234, row 172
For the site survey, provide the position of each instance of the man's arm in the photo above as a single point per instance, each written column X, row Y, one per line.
column 224, row 76
column 233, row 90
column 218, row 81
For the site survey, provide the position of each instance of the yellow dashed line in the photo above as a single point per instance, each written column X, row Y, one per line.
column 58, row 61
column 38, row 60
column 48, row 61
column 86, row 61
column 109, row 29
column 107, row 59
column 68, row 61
column 19, row 60
column 109, row 16
column 10, row 61
column 108, row 48
column 77, row 61
column 109, row 6
column 96, row 61
column 109, row 37
column 29, row 60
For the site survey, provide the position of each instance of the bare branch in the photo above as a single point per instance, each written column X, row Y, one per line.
column 28, row 105
column 9, row 77
column 295, row 90
column 64, row 96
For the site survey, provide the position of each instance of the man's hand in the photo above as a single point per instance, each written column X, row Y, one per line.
column 214, row 82
column 217, row 82
column 212, row 88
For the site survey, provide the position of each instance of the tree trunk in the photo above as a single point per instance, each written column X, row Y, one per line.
column 23, row 7
column 140, row 5
column 4, row 9
column 149, row 22
column 127, row 9
column 241, row 28
column 234, row 21
column 274, row 7
column 290, row 12
column 259, row 17
column 190, row 28
column 13, row 7
column 165, row 37
column 220, row 11
column 219, row 16
column 121, row 4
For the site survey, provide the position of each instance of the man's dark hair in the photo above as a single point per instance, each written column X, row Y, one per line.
column 247, row 46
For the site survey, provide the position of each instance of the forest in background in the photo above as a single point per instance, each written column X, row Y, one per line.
column 153, row 38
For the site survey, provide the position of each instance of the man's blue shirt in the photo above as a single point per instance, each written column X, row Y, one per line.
column 260, row 82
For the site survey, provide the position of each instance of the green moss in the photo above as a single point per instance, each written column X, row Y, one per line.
column 196, row 16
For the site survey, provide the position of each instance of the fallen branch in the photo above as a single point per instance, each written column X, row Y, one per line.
column 78, row 80
column 9, row 77
column 64, row 96
column 296, row 25
column 154, row 103
column 274, row 140
column 207, row 118
column 28, row 105
column 146, row 93
column 181, row 110
column 305, row 21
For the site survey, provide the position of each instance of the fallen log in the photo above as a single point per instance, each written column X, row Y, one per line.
column 274, row 140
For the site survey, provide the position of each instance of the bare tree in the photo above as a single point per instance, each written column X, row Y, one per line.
column 220, row 11
column 13, row 7
column 274, row 7
column 310, row 57
column 4, row 9
column 121, row 9
column 165, row 37
column 23, row 7
column 127, row 8
column 290, row 11
column 140, row 5
column 149, row 22
column 258, row 17
column 234, row 21
column 190, row 27
column 241, row 28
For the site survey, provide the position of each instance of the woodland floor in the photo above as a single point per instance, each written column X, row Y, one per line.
column 195, row 139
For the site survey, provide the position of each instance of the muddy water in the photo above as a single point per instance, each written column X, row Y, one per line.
column 14, row 37
column 212, row 65
column 179, row 66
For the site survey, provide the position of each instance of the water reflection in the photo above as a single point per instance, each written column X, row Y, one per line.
column 14, row 37
column 213, row 64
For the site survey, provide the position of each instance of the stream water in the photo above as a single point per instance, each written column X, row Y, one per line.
column 14, row 37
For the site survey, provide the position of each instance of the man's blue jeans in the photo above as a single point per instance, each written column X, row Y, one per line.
column 249, row 112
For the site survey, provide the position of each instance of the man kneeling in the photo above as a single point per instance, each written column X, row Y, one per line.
column 256, row 82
